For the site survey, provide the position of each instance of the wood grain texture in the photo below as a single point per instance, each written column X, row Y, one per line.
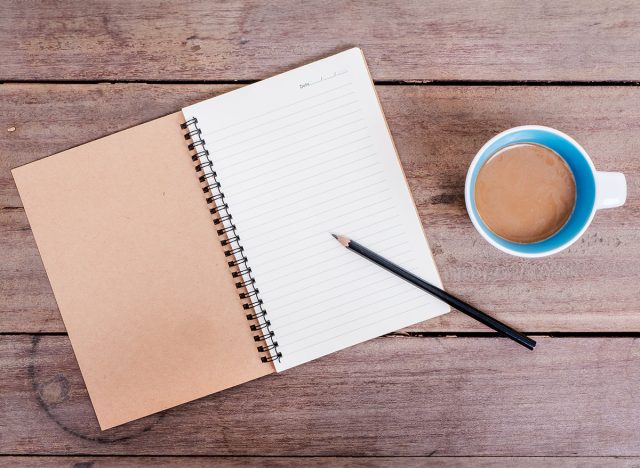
column 403, row 40
column 287, row 462
column 591, row 287
column 387, row 397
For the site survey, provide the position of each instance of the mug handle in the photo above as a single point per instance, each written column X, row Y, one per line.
column 611, row 189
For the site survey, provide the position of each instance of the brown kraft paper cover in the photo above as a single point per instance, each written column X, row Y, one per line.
column 138, row 272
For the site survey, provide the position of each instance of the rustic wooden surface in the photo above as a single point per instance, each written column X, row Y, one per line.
column 412, row 398
column 287, row 462
column 393, row 396
column 592, row 287
column 238, row 40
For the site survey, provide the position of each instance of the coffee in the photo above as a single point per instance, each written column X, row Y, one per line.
column 525, row 193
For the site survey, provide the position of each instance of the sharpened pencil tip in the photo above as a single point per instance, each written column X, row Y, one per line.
column 343, row 240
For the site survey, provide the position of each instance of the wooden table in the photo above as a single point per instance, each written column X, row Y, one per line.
column 450, row 74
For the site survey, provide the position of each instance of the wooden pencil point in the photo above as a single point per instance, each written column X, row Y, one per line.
column 343, row 240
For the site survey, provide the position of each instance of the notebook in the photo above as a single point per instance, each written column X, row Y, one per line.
column 194, row 252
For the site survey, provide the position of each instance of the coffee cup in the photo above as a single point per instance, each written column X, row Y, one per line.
column 594, row 190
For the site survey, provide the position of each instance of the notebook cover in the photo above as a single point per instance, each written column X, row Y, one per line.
column 138, row 272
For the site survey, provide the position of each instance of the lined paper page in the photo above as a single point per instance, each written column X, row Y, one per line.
column 300, row 156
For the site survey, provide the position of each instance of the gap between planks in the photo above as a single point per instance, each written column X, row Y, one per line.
column 442, row 334
column 616, row 83
column 252, row 460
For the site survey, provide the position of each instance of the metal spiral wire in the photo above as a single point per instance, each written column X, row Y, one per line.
column 229, row 238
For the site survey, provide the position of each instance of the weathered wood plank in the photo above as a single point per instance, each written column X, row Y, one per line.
column 590, row 287
column 415, row 40
column 390, row 396
column 287, row 462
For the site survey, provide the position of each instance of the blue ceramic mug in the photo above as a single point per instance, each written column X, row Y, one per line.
column 594, row 190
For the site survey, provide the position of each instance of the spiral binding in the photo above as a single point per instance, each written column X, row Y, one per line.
column 229, row 238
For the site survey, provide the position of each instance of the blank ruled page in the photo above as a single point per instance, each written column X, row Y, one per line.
column 302, row 155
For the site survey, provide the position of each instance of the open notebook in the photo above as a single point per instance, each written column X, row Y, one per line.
column 193, row 253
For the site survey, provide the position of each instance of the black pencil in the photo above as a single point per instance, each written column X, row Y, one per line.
column 437, row 292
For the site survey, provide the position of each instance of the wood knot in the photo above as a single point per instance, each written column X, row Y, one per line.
column 55, row 390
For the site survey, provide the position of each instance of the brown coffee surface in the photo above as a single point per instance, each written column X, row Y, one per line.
column 525, row 193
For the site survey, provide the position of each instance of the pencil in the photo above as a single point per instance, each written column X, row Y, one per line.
column 437, row 292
